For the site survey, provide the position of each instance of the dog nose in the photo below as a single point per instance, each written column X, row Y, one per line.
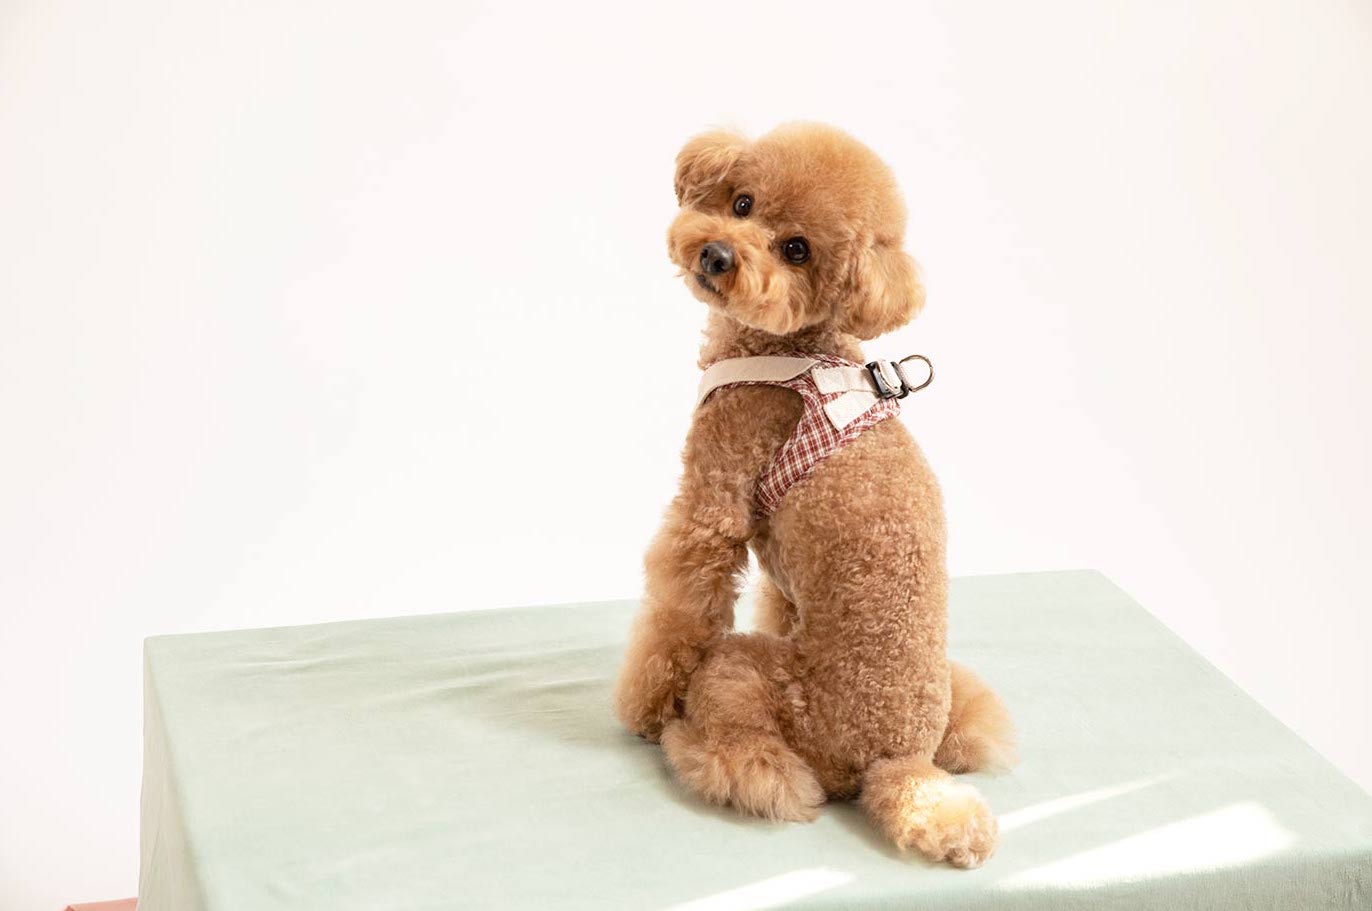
column 716, row 258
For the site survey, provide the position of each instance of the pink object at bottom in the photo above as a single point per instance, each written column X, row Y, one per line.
column 128, row 904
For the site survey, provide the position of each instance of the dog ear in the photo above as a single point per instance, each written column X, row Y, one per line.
column 885, row 291
column 703, row 163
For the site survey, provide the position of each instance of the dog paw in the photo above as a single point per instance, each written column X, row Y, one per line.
column 778, row 785
column 757, row 775
column 958, row 827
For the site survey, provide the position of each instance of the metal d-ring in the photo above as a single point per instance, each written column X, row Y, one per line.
column 905, row 381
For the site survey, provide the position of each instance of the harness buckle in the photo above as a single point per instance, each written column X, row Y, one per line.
column 890, row 379
column 886, row 377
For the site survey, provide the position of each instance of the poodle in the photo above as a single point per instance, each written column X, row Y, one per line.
column 793, row 242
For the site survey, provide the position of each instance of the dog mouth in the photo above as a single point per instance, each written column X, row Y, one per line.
column 708, row 285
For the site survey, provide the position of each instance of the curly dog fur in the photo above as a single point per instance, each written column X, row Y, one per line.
column 845, row 689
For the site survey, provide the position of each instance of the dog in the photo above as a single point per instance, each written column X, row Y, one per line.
column 794, row 243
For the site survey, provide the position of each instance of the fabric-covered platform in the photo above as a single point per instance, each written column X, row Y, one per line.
column 472, row 761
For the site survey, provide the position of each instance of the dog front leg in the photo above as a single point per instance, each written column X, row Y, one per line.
column 693, row 574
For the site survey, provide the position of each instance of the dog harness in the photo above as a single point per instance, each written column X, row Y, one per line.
column 841, row 399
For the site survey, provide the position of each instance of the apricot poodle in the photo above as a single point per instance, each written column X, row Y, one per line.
column 793, row 241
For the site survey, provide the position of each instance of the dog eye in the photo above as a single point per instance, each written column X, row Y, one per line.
column 796, row 250
column 743, row 205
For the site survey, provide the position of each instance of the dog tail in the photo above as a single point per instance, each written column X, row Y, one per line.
column 980, row 735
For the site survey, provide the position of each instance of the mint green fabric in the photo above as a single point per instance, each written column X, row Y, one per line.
column 471, row 761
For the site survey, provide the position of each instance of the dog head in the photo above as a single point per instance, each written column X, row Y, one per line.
column 801, row 227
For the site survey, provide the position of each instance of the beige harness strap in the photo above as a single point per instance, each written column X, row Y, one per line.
column 850, row 406
column 751, row 370
column 858, row 386
column 843, row 379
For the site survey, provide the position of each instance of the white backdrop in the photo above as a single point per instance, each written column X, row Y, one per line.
column 269, row 274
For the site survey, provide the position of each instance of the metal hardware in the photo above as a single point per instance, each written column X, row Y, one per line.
column 891, row 380
column 906, row 386
column 887, row 379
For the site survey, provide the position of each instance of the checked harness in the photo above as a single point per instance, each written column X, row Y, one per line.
column 841, row 399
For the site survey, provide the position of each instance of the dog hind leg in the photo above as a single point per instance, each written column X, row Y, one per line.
column 729, row 747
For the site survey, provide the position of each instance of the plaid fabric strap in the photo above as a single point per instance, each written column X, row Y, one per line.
column 841, row 400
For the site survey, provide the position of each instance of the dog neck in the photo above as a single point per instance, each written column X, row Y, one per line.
column 726, row 337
